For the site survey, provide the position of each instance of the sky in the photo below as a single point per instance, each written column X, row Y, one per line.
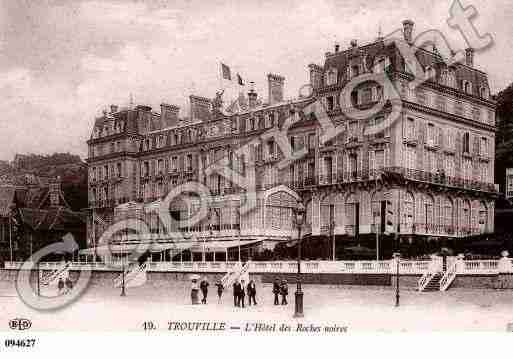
column 63, row 62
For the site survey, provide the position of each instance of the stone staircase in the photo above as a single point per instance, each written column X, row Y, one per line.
column 433, row 283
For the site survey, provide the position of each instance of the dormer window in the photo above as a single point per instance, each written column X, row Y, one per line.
column 430, row 73
column 381, row 64
column 467, row 87
column 355, row 70
column 331, row 77
column 485, row 92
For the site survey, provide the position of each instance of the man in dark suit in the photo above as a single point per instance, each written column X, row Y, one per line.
column 236, row 293
column 276, row 291
column 242, row 293
column 251, row 290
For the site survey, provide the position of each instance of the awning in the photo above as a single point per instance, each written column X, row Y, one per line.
column 196, row 247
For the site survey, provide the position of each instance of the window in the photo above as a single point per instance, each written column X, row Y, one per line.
column 355, row 70
column 353, row 131
column 353, row 165
column 377, row 124
column 146, row 169
column 431, row 134
column 466, row 142
column 330, row 103
column 174, row 163
column 449, row 166
column 483, row 150
column 366, row 95
column 189, row 162
column 293, row 143
column 410, row 161
column 379, row 93
column 378, row 160
column 331, row 77
column 410, row 128
column 311, row 141
column 380, row 66
column 270, row 148
column 105, row 172
column 467, row 169
column 485, row 93
column 118, row 170
column 467, row 87
column 354, row 98
column 160, row 166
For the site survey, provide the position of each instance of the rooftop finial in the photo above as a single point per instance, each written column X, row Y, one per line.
column 131, row 101
column 380, row 34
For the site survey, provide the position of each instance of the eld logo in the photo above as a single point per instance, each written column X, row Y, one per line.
column 20, row 324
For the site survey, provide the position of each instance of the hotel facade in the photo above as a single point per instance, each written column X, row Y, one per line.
column 428, row 175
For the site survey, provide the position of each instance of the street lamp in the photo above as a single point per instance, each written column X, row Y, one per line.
column 397, row 257
column 299, row 218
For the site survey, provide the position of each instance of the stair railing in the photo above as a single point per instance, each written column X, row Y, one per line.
column 52, row 276
column 424, row 281
column 448, row 276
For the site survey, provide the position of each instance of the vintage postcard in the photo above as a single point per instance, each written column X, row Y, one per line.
column 255, row 167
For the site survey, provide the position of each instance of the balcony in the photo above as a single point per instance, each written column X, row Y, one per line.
column 441, row 179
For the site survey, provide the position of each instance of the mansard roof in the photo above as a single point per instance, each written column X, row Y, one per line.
column 340, row 61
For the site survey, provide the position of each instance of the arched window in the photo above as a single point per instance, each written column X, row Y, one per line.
column 331, row 77
column 408, row 213
column 467, row 87
column 447, row 215
column 428, row 209
column 483, row 218
column 465, row 226
column 485, row 92
column 430, row 73
column 352, row 214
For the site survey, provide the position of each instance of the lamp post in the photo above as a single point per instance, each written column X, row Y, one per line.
column 123, row 292
column 38, row 280
column 299, row 219
column 397, row 257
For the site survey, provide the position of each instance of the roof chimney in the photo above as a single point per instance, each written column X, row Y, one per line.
column 354, row 43
column 408, row 31
column 252, row 98
column 275, row 88
column 337, row 47
column 113, row 108
column 169, row 114
column 469, row 57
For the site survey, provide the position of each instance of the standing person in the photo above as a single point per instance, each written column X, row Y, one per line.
column 60, row 286
column 284, row 291
column 220, row 289
column 251, row 292
column 204, row 290
column 194, row 291
column 236, row 293
column 69, row 284
column 276, row 291
column 242, row 293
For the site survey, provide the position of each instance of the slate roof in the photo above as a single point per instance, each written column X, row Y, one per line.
column 56, row 218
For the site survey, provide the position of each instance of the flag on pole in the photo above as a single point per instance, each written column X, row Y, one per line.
column 239, row 80
column 225, row 72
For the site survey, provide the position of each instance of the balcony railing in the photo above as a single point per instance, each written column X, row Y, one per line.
column 373, row 174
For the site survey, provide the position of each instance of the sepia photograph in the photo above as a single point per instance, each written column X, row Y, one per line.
column 255, row 167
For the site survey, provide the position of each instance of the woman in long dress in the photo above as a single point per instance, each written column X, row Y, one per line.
column 194, row 291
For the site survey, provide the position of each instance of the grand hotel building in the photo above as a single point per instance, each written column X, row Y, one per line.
column 431, row 173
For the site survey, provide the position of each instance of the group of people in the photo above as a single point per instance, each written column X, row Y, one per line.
column 240, row 290
column 280, row 289
column 203, row 286
column 64, row 285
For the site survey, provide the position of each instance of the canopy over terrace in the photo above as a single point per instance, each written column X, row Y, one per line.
column 106, row 251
